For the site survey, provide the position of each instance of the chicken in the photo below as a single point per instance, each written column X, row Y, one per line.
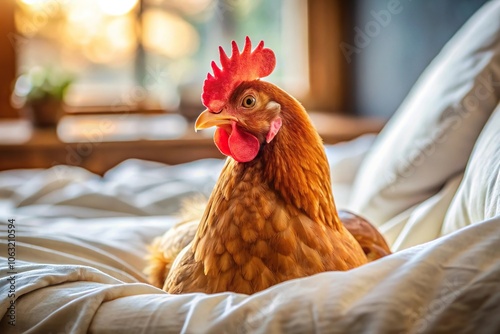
column 271, row 216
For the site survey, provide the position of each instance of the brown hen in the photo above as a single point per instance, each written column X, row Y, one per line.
column 271, row 216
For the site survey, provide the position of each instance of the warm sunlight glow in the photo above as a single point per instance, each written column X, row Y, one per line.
column 169, row 34
column 34, row 2
column 121, row 34
column 117, row 7
column 193, row 7
column 99, row 37
column 161, row 46
column 114, row 43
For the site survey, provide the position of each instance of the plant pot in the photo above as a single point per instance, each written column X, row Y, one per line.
column 44, row 113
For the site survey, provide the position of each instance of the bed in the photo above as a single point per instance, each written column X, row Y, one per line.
column 430, row 182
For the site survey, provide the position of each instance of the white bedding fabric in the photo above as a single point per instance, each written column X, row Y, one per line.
column 81, row 239
column 448, row 285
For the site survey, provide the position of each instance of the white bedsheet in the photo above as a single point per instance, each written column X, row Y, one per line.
column 140, row 188
column 81, row 239
column 448, row 285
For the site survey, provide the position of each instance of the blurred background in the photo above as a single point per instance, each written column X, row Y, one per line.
column 124, row 77
column 152, row 54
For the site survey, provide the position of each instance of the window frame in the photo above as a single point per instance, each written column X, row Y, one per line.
column 329, row 23
column 8, row 44
column 329, row 73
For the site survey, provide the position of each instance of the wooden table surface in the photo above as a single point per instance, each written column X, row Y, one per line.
column 99, row 142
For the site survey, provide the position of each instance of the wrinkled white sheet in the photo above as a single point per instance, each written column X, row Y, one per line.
column 449, row 285
column 140, row 188
column 81, row 239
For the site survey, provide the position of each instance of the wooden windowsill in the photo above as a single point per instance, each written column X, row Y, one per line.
column 140, row 137
column 335, row 128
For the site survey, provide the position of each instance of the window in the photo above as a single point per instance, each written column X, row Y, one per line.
column 154, row 54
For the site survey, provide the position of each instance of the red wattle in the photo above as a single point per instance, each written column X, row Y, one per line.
column 243, row 145
column 240, row 145
column 221, row 139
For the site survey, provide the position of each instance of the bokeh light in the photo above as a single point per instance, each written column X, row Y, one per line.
column 169, row 34
column 117, row 7
column 111, row 46
column 193, row 7
column 34, row 2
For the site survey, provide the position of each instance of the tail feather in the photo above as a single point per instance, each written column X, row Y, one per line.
column 164, row 249
column 158, row 264
column 369, row 238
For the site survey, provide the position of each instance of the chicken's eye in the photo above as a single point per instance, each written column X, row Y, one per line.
column 248, row 101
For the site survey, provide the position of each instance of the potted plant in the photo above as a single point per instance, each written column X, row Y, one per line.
column 40, row 92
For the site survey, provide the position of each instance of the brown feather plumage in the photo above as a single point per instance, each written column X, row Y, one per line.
column 269, row 220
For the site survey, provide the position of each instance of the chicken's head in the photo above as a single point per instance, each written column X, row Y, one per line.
column 237, row 103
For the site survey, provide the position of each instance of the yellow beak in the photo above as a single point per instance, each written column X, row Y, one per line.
column 208, row 119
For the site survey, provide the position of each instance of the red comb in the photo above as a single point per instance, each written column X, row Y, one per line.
column 245, row 66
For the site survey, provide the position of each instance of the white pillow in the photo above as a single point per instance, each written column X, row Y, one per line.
column 431, row 136
column 422, row 222
column 478, row 197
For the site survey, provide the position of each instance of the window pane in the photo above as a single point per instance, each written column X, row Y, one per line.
column 155, row 54
column 94, row 40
